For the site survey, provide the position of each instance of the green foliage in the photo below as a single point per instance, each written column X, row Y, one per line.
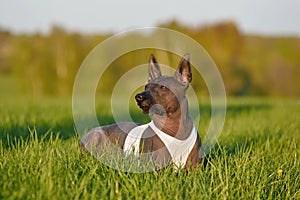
column 40, row 157
column 273, row 65
column 249, row 64
column 47, row 64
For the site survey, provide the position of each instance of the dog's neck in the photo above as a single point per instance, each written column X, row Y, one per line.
column 177, row 124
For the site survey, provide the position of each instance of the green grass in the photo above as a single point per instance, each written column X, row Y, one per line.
column 40, row 158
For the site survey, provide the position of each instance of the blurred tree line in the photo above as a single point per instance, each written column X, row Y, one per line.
column 46, row 64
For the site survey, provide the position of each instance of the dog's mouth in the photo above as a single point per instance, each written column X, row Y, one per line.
column 142, row 100
column 156, row 108
column 144, row 107
column 146, row 103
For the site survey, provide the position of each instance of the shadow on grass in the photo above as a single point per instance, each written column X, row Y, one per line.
column 13, row 133
column 66, row 129
column 236, row 109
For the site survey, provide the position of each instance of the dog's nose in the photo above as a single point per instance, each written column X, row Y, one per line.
column 140, row 97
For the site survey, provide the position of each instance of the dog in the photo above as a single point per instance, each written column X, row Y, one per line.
column 170, row 137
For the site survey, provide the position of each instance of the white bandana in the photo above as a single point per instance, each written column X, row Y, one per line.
column 178, row 149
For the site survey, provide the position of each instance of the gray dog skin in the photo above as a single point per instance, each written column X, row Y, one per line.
column 164, row 98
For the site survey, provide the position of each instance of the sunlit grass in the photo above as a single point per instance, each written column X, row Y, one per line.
column 257, row 157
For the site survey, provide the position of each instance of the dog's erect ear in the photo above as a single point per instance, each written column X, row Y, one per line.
column 153, row 69
column 184, row 72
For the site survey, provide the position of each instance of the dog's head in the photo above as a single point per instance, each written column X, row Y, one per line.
column 163, row 94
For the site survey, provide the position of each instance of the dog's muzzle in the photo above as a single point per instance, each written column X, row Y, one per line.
column 143, row 101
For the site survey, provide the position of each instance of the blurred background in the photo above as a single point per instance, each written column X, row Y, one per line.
column 255, row 44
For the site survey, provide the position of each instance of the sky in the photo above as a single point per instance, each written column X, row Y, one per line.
column 267, row 17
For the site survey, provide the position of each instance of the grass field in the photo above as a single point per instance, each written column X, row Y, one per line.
column 257, row 156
